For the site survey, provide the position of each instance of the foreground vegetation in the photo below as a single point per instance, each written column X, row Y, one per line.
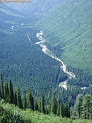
column 26, row 109
column 12, row 114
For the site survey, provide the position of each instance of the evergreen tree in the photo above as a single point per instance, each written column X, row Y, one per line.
column 11, row 93
column 19, row 100
column 30, row 100
column 66, row 110
column 59, row 110
column 87, row 107
column 6, row 92
column 15, row 98
column 24, row 101
column 42, row 105
column 78, row 107
column 46, row 109
column 39, row 105
column 35, row 106
column 54, row 105
column 1, row 87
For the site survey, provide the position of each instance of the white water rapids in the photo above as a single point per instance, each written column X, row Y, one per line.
column 49, row 53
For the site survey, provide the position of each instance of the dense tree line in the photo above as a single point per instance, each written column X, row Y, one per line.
column 14, row 96
column 82, row 108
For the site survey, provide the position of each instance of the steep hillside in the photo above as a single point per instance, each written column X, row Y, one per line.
column 20, row 58
column 69, row 28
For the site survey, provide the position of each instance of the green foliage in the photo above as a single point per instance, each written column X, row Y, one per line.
column 15, row 98
column 30, row 100
column 7, row 116
column 65, row 110
column 10, row 113
column 87, row 107
column 83, row 107
column 35, row 105
column 6, row 93
column 53, row 105
column 11, row 92
column 19, row 100
column 42, row 104
column 1, row 87
column 24, row 101
column 59, row 110
column 78, row 107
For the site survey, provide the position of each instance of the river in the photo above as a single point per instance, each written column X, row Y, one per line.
column 41, row 43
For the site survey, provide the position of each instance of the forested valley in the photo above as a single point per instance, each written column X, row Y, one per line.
column 46, row 79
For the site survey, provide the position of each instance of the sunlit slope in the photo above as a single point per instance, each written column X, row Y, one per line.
column 69, row 27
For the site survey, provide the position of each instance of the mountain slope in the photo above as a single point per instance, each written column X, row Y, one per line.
column 20, row 58
column 69, row 28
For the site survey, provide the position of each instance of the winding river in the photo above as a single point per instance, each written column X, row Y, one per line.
column 49, row 53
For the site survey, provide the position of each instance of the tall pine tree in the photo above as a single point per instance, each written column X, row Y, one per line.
column 1, row 87
column 24, row 101
column 53, row 105
column 59, row 110
column 15, row 98
column 6, row 92
column 77, row 107
column 35, row 105
column 19, row 99
column 11, row 92
column 42, row 105
column 30, row 100
column 87, row 107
